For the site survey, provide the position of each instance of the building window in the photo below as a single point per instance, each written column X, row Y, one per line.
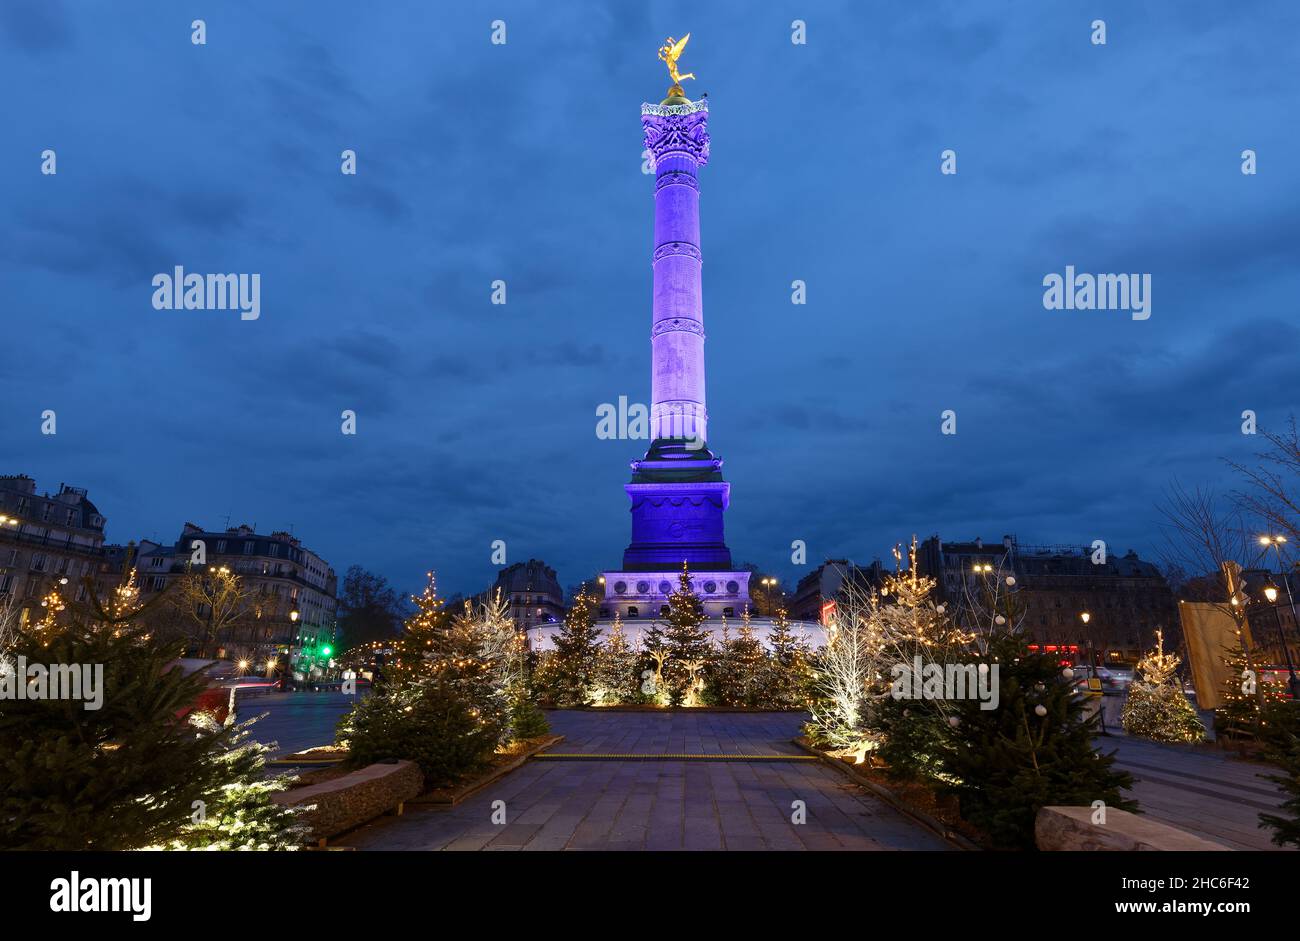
column 221, row 545
column 633, row 612
column 38, row 562
column 248, row 547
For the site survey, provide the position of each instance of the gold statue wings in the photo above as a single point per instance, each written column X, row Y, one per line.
column 670, row 52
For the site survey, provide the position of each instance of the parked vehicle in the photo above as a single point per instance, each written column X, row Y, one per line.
column 1114, row 681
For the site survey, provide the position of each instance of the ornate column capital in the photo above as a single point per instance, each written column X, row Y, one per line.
column 677, row 129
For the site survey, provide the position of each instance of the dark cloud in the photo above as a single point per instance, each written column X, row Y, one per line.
column 36, row 26
column 522, row 162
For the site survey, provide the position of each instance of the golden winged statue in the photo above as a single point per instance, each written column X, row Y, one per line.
column 670, row 52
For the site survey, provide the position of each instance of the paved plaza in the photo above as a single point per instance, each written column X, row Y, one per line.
column 641, row 804
column 631, row 804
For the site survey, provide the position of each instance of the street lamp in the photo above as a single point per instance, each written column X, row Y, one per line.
column 294, row 614
column 1085, row 617
column 1270, row 592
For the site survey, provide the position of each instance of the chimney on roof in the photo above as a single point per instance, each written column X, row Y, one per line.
column 979, row 543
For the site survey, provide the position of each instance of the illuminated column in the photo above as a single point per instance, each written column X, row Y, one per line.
column 676, row 134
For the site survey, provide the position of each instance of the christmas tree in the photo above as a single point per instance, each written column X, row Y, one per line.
column 616, row 678
column 1284, row 751
column 916, row 632
column 686, row 641
column 527, row 721
column 740, row 668
column 576, row 649
column 1156, row 707
column 242, row 815
column 449, row 694
column 785, row 685
column 425, row 721
column 422, row 637
column 1033, row 750
column 112, row 768
column 1250, row 701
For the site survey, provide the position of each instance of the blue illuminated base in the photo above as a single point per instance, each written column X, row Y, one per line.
column 678, row 498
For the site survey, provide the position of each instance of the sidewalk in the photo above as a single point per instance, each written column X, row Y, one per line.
column 1198, row 790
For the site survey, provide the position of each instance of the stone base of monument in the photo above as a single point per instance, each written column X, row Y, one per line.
column 345, row 802
column 1071, row 828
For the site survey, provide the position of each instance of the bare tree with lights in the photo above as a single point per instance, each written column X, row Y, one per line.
column 846, row 675
column 212, row 602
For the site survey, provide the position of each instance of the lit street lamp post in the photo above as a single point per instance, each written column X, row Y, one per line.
column 1270, row 592
column 768, row 585
column 1092, row 670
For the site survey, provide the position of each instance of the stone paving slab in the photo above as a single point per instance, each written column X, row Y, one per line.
column 661, row 805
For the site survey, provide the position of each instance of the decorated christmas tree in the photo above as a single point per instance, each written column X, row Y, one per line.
column 576, row 649
column 785, row 685
column 421, row 639
column 686, row 641
column 740, row 668
column 449, row 695
column 527, row 721
column 616, row 678
column 1156, row 707
column 242, row 815
column 125, row 773
column 1033, row 750
column 919, row 635
column 1250, row 700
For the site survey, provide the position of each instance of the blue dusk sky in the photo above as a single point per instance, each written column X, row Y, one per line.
column 522, row 162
